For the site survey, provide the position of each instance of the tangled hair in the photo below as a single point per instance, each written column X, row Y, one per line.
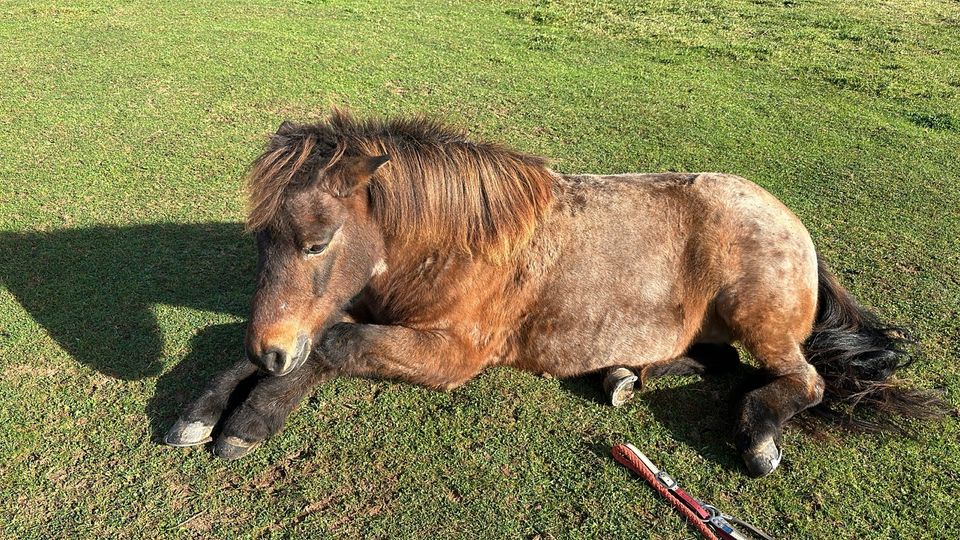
column 857, row 355
column 439, row 189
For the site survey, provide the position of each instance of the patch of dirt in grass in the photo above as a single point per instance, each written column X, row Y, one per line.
column 275, row 476
column 308, row 510
column 17, row 371
column 199, row 522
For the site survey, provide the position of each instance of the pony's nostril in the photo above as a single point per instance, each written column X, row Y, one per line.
column 273, row 361
column 267, row 360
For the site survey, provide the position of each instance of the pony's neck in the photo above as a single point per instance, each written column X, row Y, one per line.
column 461, row 197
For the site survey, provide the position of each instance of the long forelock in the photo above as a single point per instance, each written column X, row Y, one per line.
column 439, row 190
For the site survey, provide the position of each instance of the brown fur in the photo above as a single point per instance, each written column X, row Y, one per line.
column 456, row 255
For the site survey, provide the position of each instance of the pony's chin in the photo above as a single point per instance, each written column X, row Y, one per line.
column 286, row 372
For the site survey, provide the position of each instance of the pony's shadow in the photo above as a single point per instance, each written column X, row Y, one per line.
column 698, row 412
column 97, row 292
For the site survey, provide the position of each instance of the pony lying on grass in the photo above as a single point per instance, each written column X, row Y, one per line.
column 402, row 249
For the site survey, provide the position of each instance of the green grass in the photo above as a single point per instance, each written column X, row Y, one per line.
column 126, row 128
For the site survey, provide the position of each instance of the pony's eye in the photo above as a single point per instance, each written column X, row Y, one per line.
column 315, row 249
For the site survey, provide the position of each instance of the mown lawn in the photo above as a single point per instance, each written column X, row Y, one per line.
column 126, row 129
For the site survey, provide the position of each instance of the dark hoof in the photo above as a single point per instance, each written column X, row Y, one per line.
column 762, row 459
column 188, row 433
column 231, row 448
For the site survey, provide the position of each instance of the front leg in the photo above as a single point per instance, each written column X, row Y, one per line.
column 432, row 358
column 202, row 414
column 266, row 409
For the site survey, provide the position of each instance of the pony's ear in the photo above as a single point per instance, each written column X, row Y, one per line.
column 356, row 171
column 282, row 136
column 286, row 127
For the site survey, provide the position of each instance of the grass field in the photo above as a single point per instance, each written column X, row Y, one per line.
column 126, row 129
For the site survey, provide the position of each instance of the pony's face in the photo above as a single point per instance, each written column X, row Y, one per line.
column 319, row 251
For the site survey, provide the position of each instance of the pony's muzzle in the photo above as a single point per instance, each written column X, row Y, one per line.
column 277, row 361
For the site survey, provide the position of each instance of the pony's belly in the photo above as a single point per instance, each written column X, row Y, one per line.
column 626, row 287
column 589, row 339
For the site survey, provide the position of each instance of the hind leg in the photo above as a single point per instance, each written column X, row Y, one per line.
column 700, row 359
column 772, row 322
column 769, row 305
column 796, row 386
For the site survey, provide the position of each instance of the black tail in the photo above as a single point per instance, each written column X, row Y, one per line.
column 857, row 355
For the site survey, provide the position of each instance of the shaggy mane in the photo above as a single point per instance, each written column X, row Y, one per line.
column 439, row 189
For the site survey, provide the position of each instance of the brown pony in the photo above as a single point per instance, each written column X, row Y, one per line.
column 402, row 249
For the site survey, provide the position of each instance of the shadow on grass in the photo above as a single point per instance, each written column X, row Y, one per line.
column 95, row 291
column 699, row 414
